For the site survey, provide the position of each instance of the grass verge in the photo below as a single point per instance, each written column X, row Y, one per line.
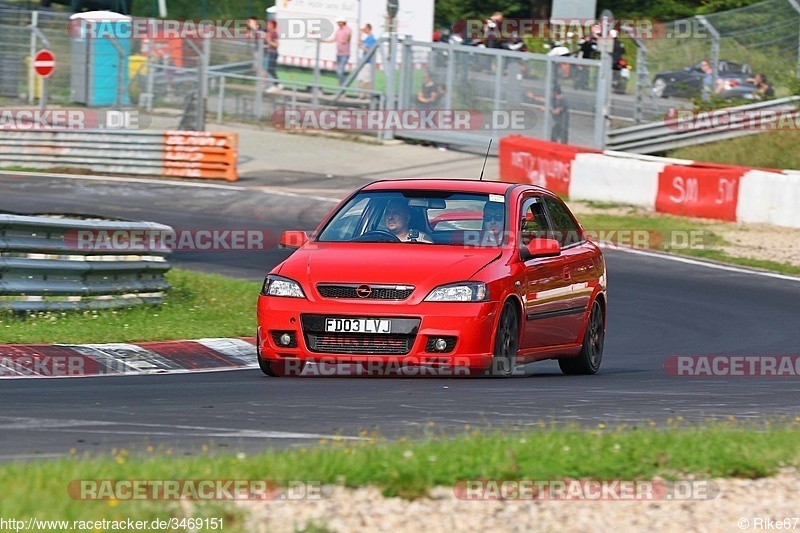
column 197, row 306
column 409, row 468
column 669, row 235
column 772, row 149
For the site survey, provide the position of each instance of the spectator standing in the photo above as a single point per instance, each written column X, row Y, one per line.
column 342, row 39
column 255, row 35
column 271, row 54
column 368, row 42
column 430, row 93
column 708, row 77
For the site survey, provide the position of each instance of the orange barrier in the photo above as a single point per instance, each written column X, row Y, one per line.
column 200, row 154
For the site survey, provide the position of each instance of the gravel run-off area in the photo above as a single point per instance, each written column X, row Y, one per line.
column 737, row 506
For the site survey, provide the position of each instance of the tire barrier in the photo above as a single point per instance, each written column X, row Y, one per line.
column 185, row 154
column 674, row 186
column 43, row 267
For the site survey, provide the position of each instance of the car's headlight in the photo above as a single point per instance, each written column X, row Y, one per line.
column 459, row 292
column 279, row 286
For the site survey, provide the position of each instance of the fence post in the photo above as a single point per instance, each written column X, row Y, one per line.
column 120, row 72
column 547, row 123
column 221, row 98
column 406, row 74
column 796, row 7
column 451, row 74
column 641, row 70
column 31, row 70
column 202, row 91
column 498, row 90
column 258, row 98
column 714, row 49
column 315, row 92
column 151, row 72
column 390, row 78
column 602, row 101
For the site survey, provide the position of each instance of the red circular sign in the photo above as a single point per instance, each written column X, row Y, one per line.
column 44, row 63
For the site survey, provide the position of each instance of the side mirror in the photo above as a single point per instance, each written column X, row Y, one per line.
column 540, row 248
column 293, row 239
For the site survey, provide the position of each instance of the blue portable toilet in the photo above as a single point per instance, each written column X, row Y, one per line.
column 98, row 66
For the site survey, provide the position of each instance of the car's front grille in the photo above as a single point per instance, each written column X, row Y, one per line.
column 365, row 291
column 359, row 343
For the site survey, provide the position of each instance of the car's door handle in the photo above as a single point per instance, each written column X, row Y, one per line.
column 567, row 273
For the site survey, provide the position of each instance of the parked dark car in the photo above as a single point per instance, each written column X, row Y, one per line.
column 119, row 6
column 688, row 82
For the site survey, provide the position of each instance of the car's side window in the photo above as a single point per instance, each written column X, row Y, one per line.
column 533, row 223
column 567, row 231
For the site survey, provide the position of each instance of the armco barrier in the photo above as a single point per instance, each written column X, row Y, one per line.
column 188, row 154
column 678, row 187
column 42, row 268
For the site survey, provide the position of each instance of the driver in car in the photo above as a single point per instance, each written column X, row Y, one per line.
column 397, row 217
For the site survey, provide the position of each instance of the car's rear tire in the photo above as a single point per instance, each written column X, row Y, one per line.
column 506, row 343
column 592, row 349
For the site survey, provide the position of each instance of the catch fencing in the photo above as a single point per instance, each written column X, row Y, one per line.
column 764, row 36
column 200, row 79
column 44, row 268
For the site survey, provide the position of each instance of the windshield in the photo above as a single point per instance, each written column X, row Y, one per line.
column 419, row 217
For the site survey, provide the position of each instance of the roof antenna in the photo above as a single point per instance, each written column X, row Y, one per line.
column 485, row 158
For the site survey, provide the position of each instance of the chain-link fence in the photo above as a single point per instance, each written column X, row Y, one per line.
column 560, row 97
column 760, row 38
column 563, row 99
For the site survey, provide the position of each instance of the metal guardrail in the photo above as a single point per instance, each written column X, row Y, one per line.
column 43, row 267
column 189, row 154
column 661, row 136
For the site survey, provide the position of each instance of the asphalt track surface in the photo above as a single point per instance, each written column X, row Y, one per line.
column 659, row 307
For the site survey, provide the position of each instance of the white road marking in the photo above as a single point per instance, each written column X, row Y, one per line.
column 696, row 262
column 155, row 181
column 20, row 423
column 25, row 456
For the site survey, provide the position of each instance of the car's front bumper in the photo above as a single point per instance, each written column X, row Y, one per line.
column 470, row 325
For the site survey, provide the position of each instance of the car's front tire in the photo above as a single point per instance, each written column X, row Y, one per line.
column 588, row 361
column 277, row 369
column 280, row 369
column 506, row 343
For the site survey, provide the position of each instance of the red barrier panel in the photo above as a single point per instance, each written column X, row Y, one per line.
column 706, row 191
column 543, row 163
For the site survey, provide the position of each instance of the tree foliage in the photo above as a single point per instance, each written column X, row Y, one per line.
column 448, row 11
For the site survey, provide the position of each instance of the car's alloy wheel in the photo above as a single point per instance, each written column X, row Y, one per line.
column 659, row 87
column 592, row 349
column 506, row 343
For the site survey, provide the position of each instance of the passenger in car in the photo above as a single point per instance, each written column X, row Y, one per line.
column 397, row 215
column 493, row 223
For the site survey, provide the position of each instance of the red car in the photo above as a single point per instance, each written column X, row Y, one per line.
column 457, row 276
